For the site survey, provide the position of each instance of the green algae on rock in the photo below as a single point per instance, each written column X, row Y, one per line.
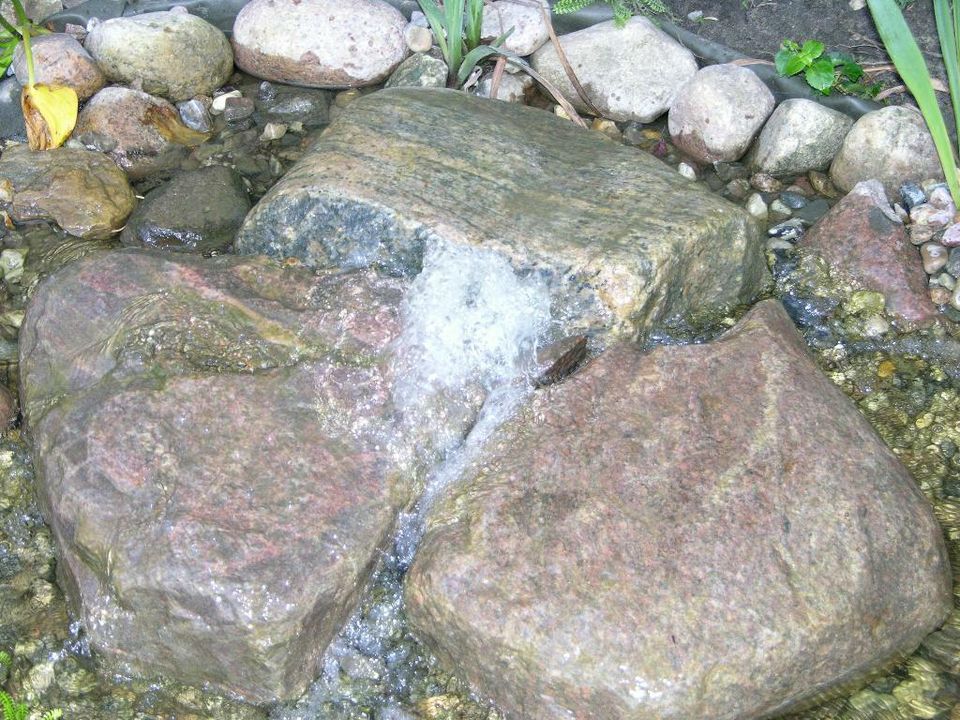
column 622, row 238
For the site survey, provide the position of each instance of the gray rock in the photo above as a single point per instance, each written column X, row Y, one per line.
column 912, row 194
column 891, row 145
column 511, row 89
column 813, row 210
column 419, row 39
column 319, row 43
column 703, row 531
column 140, row 128
column 793, row 200
column 419, row 70
column 516, row 188
column 801, row 135
column 12, row 126
column 288, row 105
column 629, row 73
column 173, row 54
column 522, row 19
column 59, row 59
column 716, row 113
column 198, row 211
column 84, row 192
column 36, row 10
column 195, row 114
column 238, row 108
column 934, row 257
column 211, row 438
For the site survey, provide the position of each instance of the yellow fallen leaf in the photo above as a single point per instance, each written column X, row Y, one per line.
column 50, row 112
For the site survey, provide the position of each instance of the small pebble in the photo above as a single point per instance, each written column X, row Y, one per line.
column 757, row 207
column 801, row 186
column 951, row 236
column 687, row 171
column 955, row 298
column 953, row 262
column 695, row 16
column 419, row 39
column 738, row 189
column 919, row 234
column 789, row 230
column 195, row 115
column 793, row 200
column 901, row 212
column 779, row 210
column 875, row 326
column 940, row 197
column 821, row 183
column 418, row 18
column 220, row 101
column 237, row 108
column 927, row 214
column 912, row 195
column 730, row 171
column 886, row 369
column 606, row 127
column 774, row 244
column 633, row 134
column 273, row 131
column 765, row 183
column 934, row 257
column 267, row 92
column 947, row 280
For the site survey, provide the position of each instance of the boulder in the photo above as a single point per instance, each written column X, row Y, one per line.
column 801, row 135
column 197, row 211
column 891, row 145
column 524, row 21
column 319, row 43
column 703, row 531
column 622, row 240
column 629, row 73
column 84, row 192
column 143, row 134
column 171, row 54
column 213, row 444
column 863, row 240
column 58, row 59
column 716, row 113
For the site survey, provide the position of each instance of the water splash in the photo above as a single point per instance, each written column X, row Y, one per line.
column 465, row 362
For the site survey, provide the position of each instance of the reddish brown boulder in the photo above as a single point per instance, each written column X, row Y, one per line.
column 863, row 240
column 707, row 531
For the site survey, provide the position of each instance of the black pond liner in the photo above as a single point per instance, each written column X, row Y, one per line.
column 222, row 13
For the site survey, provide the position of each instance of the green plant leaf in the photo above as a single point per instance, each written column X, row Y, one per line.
column 947, row 30
column 453, row 24
column 906, row 56
column 474, row 23
column 788, row 63
column 432, row 12
column 820, row 75
column 812, row 49
column 852, row 71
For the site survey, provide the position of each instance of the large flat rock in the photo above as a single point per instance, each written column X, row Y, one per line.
column 623, row 239
column 215, row 448
column 707, row 531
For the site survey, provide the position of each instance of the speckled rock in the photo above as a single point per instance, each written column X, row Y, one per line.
column 136, row 129
column 211, row 440
column 862, row 239
column 319, row 43
column 890, row 145
column 198, row 211
column 522, row 18
column 716, row 113
column 801, row 135
column 84, row 192
column 516, row 188
column 59, row 59
column 629, row 73
column 704, row 531
column 419, row 70
column 173, row 54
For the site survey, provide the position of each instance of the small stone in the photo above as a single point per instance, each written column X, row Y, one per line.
column 793, row 200
column 822, row 184
column 928, row 214
column 934, row 257
column 779, row 209
column 738, row 189
column 901, row 212
column 875, row 326
column 522, row 19
column 267, row 92
column 951, row 236
column 912, row 195
column 801, row 187
column 813, row 210
column 952, row 265
column 419, row 39
column 765, row 182
column 778, row 244
column 955, row 298
column 11, row 265
column 511, row 89
column 687, row 171
column 947, row 280
column 919, row 234
column 633, row 134
column 60, row 60
column 610, row 129
column 695, row 16
column 940, row 295
column 220, row 101
column 273, row 131
column 728, row 171
column 940, row 197
column 237, row 108
column 757, row 207
column 421, row 70
column 886, row 369
column 195, row 115
column 789, row 230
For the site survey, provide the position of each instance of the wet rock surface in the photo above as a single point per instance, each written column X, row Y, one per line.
column 319, row 43
column 862, row 239
column 212, row 458
column 198, row 211
column 671, row 534
column 172, row 54
column 60, row 60
column 629, row 73
column 633, row 259
column 82, row 191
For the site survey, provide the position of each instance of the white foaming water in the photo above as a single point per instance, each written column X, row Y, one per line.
column 464, row 364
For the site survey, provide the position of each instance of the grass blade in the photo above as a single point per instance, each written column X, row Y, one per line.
column 474, row 23
column 454, row 22
column 435, row 18
column 946, row 29
column 911, row 67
